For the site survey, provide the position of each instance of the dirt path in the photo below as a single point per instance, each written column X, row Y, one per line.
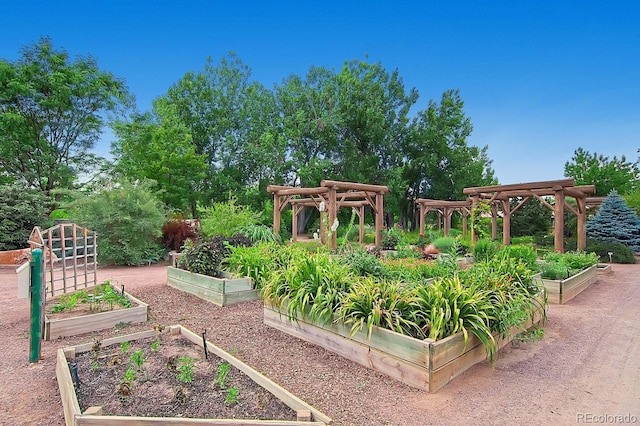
column 588, row 363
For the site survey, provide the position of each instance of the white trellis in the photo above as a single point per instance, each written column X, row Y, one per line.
column 70, row 257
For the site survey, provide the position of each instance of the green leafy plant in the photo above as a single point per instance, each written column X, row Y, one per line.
column 206, row 257
column 620, row 253
column 232, row 396
column 155, row 345
column 390, row 238
column 137, row 359
column 382, row 304
column 124, row 347
column 485, row 250
column 185, row 368
column 258, row 233
column 221, row 374
column 225, row 217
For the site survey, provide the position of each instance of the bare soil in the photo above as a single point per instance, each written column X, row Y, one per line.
column 586, row 365
column 157, row 390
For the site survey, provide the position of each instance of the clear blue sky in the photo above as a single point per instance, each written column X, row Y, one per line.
column 539, row 78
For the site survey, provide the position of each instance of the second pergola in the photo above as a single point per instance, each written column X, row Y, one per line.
column 328, row 198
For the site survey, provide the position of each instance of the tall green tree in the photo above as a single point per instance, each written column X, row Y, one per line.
column 606, row 174
column 157, row 146
column 52, row 111
column 20, row 210
column 438, row 161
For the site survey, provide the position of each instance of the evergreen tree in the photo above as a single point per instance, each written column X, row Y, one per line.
column 616, row 222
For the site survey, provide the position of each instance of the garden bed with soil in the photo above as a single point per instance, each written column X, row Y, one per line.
column 85, row 311
column 169, row 378
column 222, row 291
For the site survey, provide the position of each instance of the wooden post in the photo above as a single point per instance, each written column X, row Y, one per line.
column 361, row 214
column 582, row 223
column 558, row 220
column 446, row 216
column 333, row 214
column 506, row 222
column 494, row 221
column 422, row 214
column 465, row 215
column 379, row 218
column 474, row 202
column 294, row 222
column 276, row 213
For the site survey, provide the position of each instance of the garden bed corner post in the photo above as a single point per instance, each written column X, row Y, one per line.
column 37, row 298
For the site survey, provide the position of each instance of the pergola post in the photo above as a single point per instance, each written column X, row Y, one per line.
column 333, row 214
column 447, row 220
column 558, row 220
column 465, row 215
column 379, row 218
column 494, row 221
column 295, row 209
column 582, row 223
column 474, row 201
column 506, row 222
column 422, row 214
column 361, row 223
column 276, row 214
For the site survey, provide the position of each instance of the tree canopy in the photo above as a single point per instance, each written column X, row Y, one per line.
column 606, row 174
column 52, row 113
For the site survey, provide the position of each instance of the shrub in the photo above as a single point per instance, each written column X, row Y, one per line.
column 620, row 252
column 206, row 257
column 128, row 219
column 175, row 232
column 20, row 211
column 485, row 250
column 445, row 244
column 258, row 233
column 390, row 238
column 526, row 254
column 225, row 218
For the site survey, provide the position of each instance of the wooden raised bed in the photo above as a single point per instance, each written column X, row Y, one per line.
column 604, row 269
column 221, row 291
column 307, row 415
column 425, row 364
column 63, row 327
column 561, row 291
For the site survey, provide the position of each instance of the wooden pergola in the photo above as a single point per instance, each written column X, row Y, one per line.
column 446, row 210
column 501, row 195
column 328, row 198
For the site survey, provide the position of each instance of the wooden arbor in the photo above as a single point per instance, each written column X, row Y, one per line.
column 328, row 198
column 446, row 209
column 559, row 189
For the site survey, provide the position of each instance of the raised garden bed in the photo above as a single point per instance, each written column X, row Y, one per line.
column 604, row 269
column 222, row 291
column 81, row 320
column 561, row 291
column 425, row 364
column 261, row 394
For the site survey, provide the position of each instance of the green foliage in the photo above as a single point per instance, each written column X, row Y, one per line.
column 526, row 254
column 532, row 218
column 619, row 252
column 124, row 347
column 186, row 369
column 175, row 232
column 53, row 111
column 390, row 238
column 384, row 304
column 607, row 175
column 206, row 257
column 485, row 250
column 155, row 345
column 258, row 233
column 480, row 225
column 559, row 266
column 221, row 374
column 232, row 396
column 363, row 263
column 615, row 222
column 252, row 261
column 128, row 219
column 451, row 307
column 445, row 244
column 224, row 218
column 137, row 359
column 21, row 209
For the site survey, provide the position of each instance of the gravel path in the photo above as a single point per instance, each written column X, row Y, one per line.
column 586, row 365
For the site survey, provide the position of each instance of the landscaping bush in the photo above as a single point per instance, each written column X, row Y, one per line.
column 225, row 218
column 206, row 257
column 390, row 238
column 21, row 209
column 175, row 232
column 485, row 250
column 128, row 220
column 559, row 266
column 526, row 254
column 620, row 252
column 445, row 244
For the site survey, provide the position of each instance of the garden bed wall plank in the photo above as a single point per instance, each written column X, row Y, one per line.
column 70, row 404
column 167, row 421
column 395, row 367
column 220, row 291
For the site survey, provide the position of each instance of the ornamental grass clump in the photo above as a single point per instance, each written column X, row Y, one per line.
column 385, row 304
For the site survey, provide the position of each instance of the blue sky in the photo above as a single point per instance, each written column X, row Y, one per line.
column 539, row 78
